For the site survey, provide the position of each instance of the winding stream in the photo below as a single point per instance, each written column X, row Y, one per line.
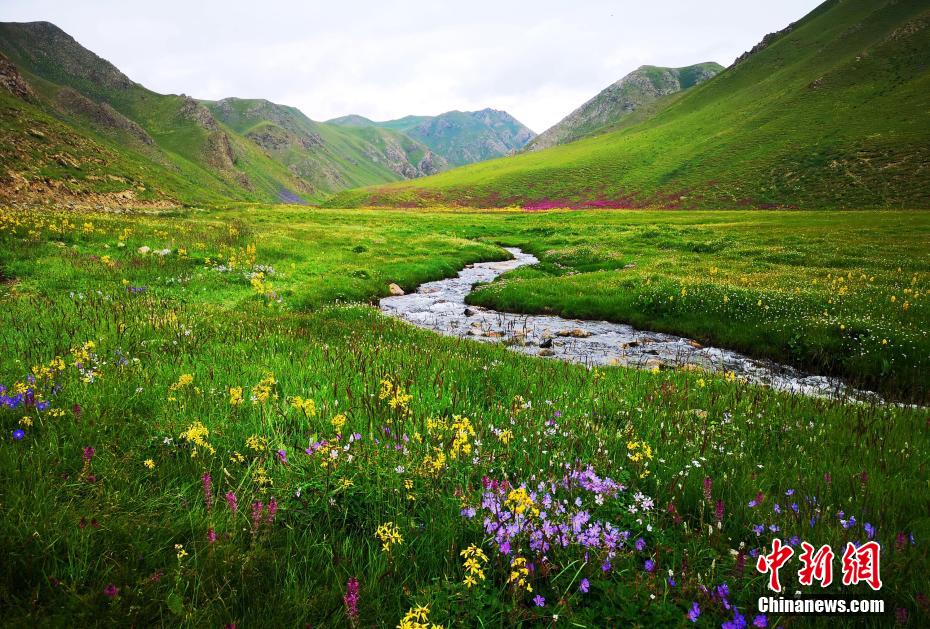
column 440, row 306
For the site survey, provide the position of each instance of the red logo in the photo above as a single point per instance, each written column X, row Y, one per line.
column 860, row 564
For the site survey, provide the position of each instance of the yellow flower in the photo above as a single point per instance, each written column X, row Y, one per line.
column 235, row 396
column 180, row 551
column 307, row 407
column 338, row 422
column 389, row 535
column 149, row 463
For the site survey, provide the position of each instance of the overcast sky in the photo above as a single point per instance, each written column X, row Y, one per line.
column 536, row 59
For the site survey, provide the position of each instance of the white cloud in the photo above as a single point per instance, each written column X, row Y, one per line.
column 538, row 60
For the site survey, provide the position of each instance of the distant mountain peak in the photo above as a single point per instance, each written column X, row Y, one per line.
column 621, row 98
column 459, row 137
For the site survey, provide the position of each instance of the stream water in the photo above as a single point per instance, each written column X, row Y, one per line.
column 440, row 306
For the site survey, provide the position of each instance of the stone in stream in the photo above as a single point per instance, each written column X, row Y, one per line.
column 546, row 352
column 546, row 343
column 469, row 312
column 576, row 333
column 395, row 290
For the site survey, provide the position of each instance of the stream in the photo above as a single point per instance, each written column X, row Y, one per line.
column 440, row 306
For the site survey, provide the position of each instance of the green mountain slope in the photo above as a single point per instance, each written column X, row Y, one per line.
column 832, row 112
column 616, row 102
column 460, row 137
column 328, row 157
column 107, row 139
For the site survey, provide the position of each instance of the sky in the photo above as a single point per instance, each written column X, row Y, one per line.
column 538, row 60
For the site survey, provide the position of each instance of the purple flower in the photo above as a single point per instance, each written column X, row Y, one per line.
column 649, row 566
column 18, row 435
column 584, row 586
column 282, row 455
column 111, row 590
column 869, row 530
column 351, row 598
column 539, row 601
column 640, row 544
column 760, row 621
column 89, row 453
column 752, row 504
column 231, row 502
column 694, row 613
column 672, row 582
column 790, row 492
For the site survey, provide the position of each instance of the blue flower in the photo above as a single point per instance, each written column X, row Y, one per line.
column 584, row 586
column 18, row 435
column 539, row 601
column 694, row 612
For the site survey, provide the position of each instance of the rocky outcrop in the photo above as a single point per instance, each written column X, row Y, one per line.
column 192, row 110
column 100, row 115
column 641, row 87
column 767, row 41
column 13, row 82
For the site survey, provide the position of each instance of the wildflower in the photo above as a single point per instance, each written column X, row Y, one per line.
column 584, row 586
column 338, row 422
column 231, row 502
column 235, row 396
column 197, row 434
column 695, row 612
column 211, row 535
column 264, row 389
column 649, row 566
column 149, row 463
column 708, row 485
column 350, row 598
column 272, row 510
column 539, row 601
column 111, row 590
column 180, row 551
column 519, row 574
column 389, row 535
column 282, row 455
column 89, row 453
column 475, row 559
column 760, row 621
column 257, row 509
column 307, row 407
column 18, row 434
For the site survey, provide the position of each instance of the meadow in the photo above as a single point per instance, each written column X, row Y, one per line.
column 205, row 422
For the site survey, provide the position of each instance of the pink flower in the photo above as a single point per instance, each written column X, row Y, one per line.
column 211, row 535
column 351, row 598
column 272, row 510
column 111, row 590
column 257, row 509
column 88, row 453
column 231, row 502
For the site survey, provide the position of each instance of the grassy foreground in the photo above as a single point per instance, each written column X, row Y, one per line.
column 225, row 439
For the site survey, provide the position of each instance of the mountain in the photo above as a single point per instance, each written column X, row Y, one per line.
column 73, row 127
column 831, row 112
column 637, row 89
column 328, row 157
column 460, row 137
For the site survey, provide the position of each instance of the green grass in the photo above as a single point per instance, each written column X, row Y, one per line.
column 71, row 527
column 830, row 115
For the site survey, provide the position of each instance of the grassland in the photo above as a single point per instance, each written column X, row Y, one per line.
column 229, row 426
column 831, row 114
